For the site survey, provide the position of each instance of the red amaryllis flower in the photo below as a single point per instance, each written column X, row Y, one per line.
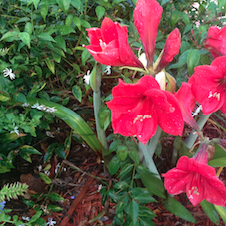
column 137, row 109
column 197, row 179
column 147, row 16
column 109, row 45
column 187, row 103
column 171, row 49
column 208, row 85
column 216, row 41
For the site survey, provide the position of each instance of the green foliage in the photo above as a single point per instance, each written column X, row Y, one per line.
column 12, row 191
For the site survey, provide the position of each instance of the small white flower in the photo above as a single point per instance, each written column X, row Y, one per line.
column 51, row 222
column 50, row 134
column 48, row 109
column 8, row 72
column 197, row 110
column 99, row 187
column 87, row 77
column 15, row 129
column 26, row 105
column 36, row 105
column 39, row 167
column 108, row 70
column 57, row 167
column 25, row 218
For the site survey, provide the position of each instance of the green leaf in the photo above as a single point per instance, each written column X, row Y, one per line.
column 55, row 197
column 210, row 211
column 222, row 212
column 50, row 64
column 153, row 184
column 185, row 18
column 134, row 210
column 28, row 28
column 133, row 154
column 100, row 10
column 68, row 20
column 25, row 151
column 9, row 137
column 77, row 92
column 145, row 198
column 20, row 97
column 178, row 209
column 104, row 117
column 77, row 22
column 121, row 185
column 193, row 60
column 78, row 4
column 85, row 56
column 60, row 152
column 36, row 216
column 60, row 41
column 44, row 11
column 146, row 212
column 126, row 169
column 76, row 122
column 45, row 178
column 218, row 162
column 54, row 208
column 65, row 30
column 10, row 34
column 4, row 98
column 175, row 16
column 64, row 5
column 46, row 37
column 114, row 165
column 113, row 146
column 25, row 38
column 122, row 152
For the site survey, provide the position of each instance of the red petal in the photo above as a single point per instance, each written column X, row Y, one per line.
column 95, row 35
column 171, row 49
column 109, row 31
column 147, row 16
column 187, row 103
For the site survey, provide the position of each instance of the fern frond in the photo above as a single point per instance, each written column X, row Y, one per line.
column 12, row 191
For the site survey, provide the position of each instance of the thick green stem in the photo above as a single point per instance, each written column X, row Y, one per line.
column 97, row 106
column 148, row 150
column 193, row 136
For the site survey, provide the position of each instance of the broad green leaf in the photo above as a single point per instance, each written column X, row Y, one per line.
column 9, row 137
column 25, row 151
column 55, row 197
column 36, row 216
column 104, row 117
column 50, row 64
column 68, row 20
column 164, row 2
column 4, row 98
column 153, row 184
column 60, row 152
column 146, row 212
column 178, row 209
column 64, row 5
column 65, row 30
column 45, row 178
column 114, row 165
column 126, row 169
column 218, row 162
column 77, row 22
column 113, row 146
column 20, row 97
column 56, row 57
column 210, row 211
column 193, row 60
column 145, row 198
column 175, row 16
column 222, row 212
column 122, row 152
column 185, row 18
column 10, row 34
column 100, row 10
column 75, row 121
column 46, row 37
column 54, row 208
column 78, row 4
column 25, row 38
column 60, row 41
column 28, row 28
column 35, row 3
column 121, row 185
column 134, row 211
column 77, row 92
column 85, row 56
column 44, row 11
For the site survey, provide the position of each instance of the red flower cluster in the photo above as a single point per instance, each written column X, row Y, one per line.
column 109, row 44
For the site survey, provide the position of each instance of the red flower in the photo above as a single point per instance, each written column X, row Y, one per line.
column 197, row 179
column 187, row 103
column 208, row 85
column 147, row 16
column 137, row 109
column 109, row 45
column 171, row 49
column 216, row 41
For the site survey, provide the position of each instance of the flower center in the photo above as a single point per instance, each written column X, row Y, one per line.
column 194, row 190
column 141, row 118
column 102, row 44
column 216, row 95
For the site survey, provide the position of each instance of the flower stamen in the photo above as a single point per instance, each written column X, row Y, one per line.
column 141, row 118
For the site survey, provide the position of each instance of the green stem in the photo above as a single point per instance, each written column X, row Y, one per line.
column 97, row 106
column 193, row 136
column 148, row 150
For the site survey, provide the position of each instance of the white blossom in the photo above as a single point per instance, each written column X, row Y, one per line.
column 26, row 105
column 15, row 129
column 51, row 222
column 99, row 187
column 48, row 109
column 25, row 218
column 197, row 110
column 87, row 77
column 108, row 70
column 8, row 72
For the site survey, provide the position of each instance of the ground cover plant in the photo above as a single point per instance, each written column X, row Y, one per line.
column 112, row 112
